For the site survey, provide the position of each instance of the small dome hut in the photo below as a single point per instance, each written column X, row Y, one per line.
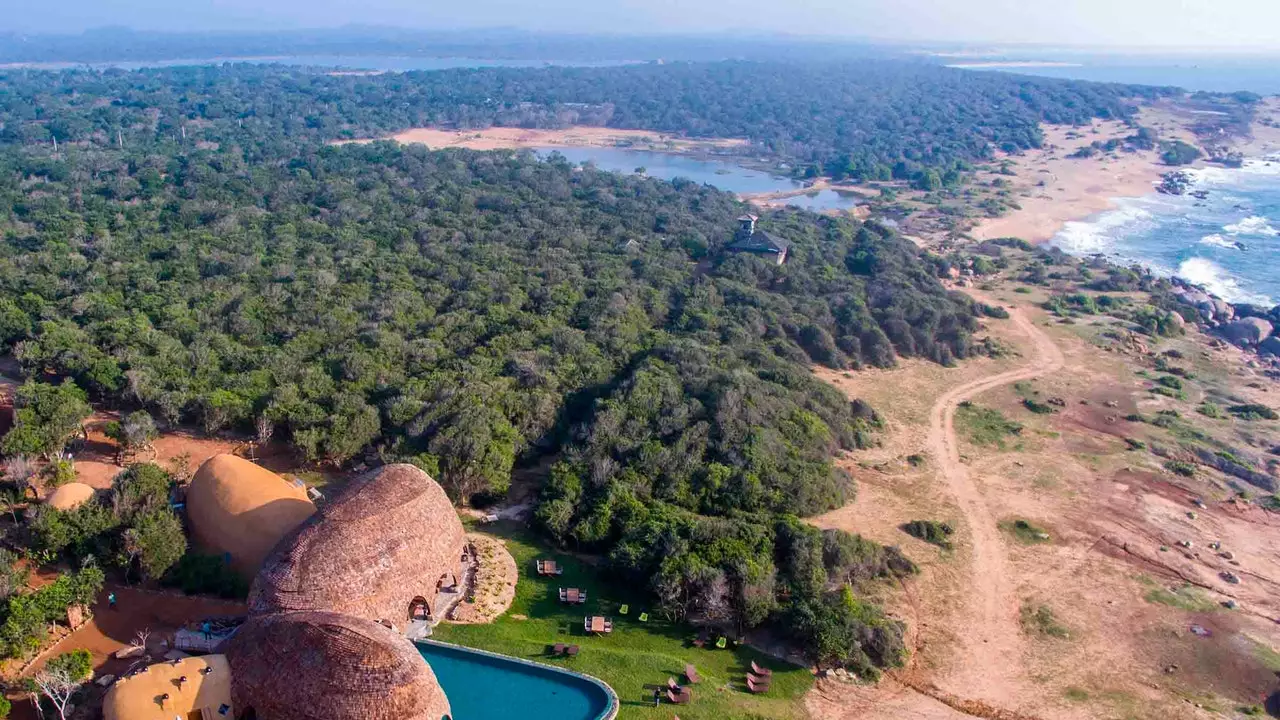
column 308, row 665
column 69, row 496
column 240, row 509
column 382, row 551
column 187, row 688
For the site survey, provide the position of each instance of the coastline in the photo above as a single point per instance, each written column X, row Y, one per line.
column 1055, row 189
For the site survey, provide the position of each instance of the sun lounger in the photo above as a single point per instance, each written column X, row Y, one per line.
column 644, row 617
column 557, row 649
column 722, row 642
column 756, row 687
column 683, row 697
column 672, row 684
column 624, row 609
column 762, row 672
column 571, row 651
column 691, row 674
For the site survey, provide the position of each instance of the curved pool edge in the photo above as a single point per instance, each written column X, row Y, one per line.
column 609, row 714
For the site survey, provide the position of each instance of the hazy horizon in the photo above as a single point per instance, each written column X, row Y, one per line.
column 1224, row 25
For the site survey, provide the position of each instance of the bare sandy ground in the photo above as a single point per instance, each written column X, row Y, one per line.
column 1054, row 189
column 499, row 138
column 1116, row 519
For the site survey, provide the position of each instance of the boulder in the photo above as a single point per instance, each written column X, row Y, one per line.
column 1270, row 346
column 1223, row 311
column 1247, row 332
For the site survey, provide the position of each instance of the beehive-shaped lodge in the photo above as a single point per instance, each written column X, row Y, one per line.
column 381, row 551
column 238, row 509
column 313, row 665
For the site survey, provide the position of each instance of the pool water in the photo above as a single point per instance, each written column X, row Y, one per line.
column 482, row 686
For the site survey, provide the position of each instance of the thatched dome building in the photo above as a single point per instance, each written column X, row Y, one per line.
column 69, row 496
column 312, row 665
column 194, row 684
column 242, row 510
column 381, row 551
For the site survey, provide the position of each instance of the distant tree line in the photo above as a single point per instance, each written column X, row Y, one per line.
column 864, row 119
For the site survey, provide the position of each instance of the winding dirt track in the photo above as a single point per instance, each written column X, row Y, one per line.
column 991, row 638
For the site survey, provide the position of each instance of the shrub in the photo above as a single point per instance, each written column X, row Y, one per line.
column 931, row 531
column 1253, row 411
column 78, row 664
column 1211, row 411
column 1180, row 467
column 1170, row 382
column 1039, row 408
column 1041, row 620
column 1025, row 532
column 200, row 574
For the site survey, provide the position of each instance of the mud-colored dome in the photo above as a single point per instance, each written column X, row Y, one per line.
column 69, row 496
column 207, row 688
column 318, row 665
column 393, row 537
column 240, row 509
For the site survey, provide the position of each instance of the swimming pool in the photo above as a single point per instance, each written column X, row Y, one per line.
column 486, row 686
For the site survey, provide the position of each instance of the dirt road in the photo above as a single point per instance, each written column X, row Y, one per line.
column 983, row 678
column 991, row 638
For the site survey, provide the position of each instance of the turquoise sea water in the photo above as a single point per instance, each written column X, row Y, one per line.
column 1229, row 242
column 484, row 687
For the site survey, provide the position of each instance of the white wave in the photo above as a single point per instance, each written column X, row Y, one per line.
column 1087, row 237
column 1209, row 175
column 1218, row 281
column 1253, row 225
column 1220, row 241
column 1269, row 165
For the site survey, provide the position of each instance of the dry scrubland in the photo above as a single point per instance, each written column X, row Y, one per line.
column 1097, row 594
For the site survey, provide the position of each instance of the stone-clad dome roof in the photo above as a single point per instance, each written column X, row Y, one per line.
column 388, row 539
column 326, row 666
column 238, row 508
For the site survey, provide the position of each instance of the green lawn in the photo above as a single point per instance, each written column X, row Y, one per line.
column 637, row 656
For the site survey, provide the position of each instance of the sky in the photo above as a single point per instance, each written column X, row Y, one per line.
column 1126, row 23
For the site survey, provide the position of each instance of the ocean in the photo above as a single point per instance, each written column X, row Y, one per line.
column 1229, row 242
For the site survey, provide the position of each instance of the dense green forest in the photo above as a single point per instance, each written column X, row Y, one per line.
column 195, row 252
column 472, row 311
column 865, row 119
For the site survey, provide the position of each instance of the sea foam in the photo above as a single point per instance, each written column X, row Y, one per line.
column 1087, row 237
column 1219, row 282
column 1253, row 225
column 1220, row 241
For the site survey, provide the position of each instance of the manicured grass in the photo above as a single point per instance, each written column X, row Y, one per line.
column 637, row 656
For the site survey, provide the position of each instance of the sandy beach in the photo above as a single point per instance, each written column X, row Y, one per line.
column 1054, row 189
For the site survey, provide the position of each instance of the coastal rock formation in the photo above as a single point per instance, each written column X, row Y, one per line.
column 309, row 665
column 240, row 509
column 382, row 551
column 1247, row 332
column 1269, row 347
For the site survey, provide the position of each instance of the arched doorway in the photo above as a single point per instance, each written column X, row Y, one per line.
column 419, row 609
